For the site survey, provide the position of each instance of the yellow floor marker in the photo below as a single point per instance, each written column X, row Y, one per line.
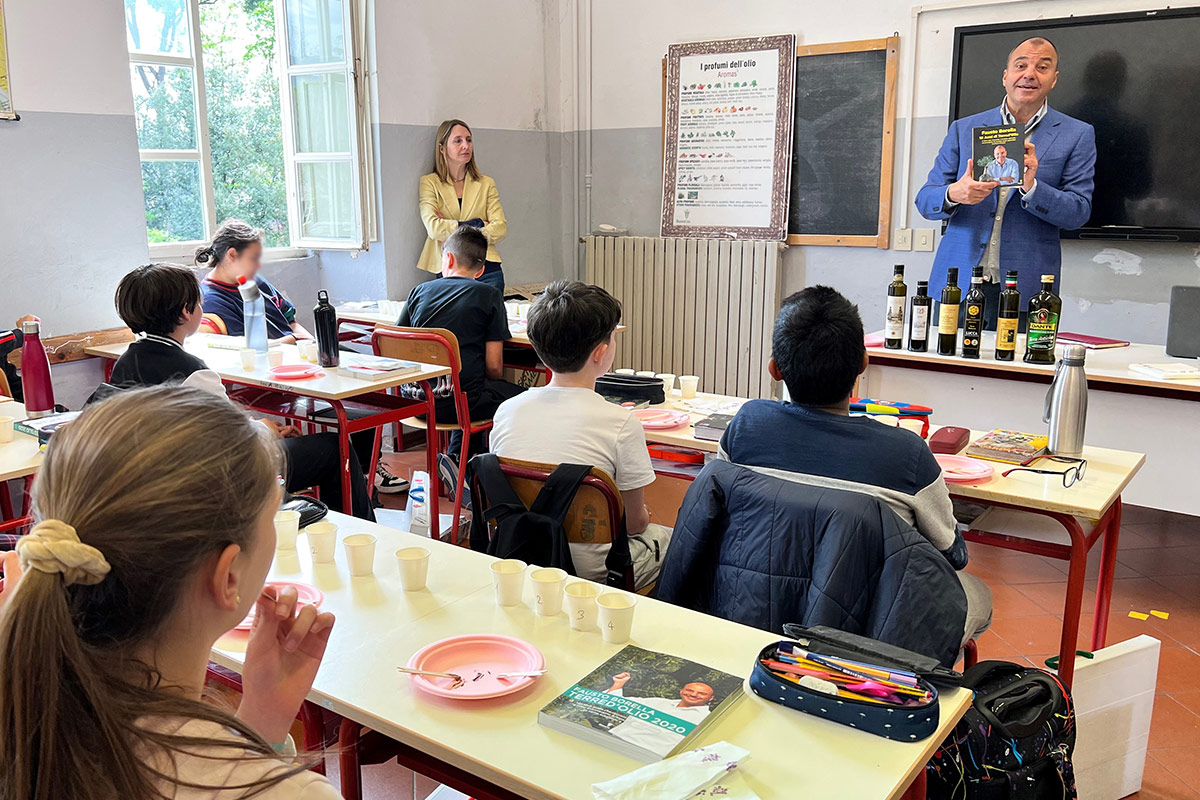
column 1160, row 614
column 1139, row 615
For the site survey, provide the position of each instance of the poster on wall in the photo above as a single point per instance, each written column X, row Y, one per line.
column 6, row 104
column 728, row 138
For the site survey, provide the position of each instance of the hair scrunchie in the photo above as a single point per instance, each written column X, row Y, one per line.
column 54, row 546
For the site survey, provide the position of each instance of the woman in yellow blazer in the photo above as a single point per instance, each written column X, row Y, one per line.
column 457, row 193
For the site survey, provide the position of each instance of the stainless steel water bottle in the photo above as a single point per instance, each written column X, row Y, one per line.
column 1066, row 404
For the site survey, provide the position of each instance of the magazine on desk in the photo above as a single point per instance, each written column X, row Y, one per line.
column 370, row 367
column 643, row 704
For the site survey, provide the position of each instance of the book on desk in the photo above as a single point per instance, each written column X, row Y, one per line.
column 370, row 367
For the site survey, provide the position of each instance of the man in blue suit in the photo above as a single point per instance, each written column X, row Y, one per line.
column 1013, row 227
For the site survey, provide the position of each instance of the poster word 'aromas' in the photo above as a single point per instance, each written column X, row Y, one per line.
column 728, row 138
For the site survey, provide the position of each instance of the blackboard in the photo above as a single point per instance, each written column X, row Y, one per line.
column 842, row 144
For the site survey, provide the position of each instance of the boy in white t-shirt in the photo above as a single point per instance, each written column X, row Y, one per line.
column 572, row 328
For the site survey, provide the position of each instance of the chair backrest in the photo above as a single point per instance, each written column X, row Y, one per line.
column 5, row 389
column 429, row 346
column 596, row 516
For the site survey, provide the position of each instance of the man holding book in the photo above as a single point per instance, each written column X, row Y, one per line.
column 1001, row 226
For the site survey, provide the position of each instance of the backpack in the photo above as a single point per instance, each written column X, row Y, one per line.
column 1014, row 743
column 535, row 535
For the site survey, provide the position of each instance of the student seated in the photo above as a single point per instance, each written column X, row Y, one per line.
column 11, row 340
column 162, row 302
column 572, row 327
column 474, row 313
column 237, row 250
column 153, row 537
column 817, row 351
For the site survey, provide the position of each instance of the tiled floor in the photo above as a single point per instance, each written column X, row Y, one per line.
column 1158, row 566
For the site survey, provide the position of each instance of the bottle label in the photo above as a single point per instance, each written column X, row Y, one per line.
column 894, row 326
column 973, row 326
column 1043, row 330
column 1006, row 334
column 920, row 323
column 948, row 318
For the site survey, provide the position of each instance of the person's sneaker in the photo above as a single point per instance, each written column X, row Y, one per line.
column 386, row 482
column 448, row 474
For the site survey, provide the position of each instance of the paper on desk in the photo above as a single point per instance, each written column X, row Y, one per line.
column 710, row 771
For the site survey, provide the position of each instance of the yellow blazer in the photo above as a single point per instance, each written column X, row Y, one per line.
column 480, row 199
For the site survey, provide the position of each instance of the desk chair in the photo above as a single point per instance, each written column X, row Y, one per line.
column 596, row 516
column 435, row 346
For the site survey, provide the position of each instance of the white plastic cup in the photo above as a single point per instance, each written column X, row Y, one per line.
column 6, row 430
column 581, row 604
column 625, row 372
column 645, row 373
column 360, row 554
column 414, row 567
column 508, row 576
column 248, row 355
column 322, row 541
column 310, row 350
column 548, row 590
column 688, row 384
column 287, row 526
column 275, row 357
column 668, row 379
column 616, row 616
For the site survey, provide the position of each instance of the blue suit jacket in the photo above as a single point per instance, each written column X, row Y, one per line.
column 1029, row 239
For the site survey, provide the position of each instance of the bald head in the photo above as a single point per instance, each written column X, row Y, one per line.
column 1037, row 42
column 1031, row 72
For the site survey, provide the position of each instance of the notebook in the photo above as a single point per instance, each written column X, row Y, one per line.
column 1091, row 342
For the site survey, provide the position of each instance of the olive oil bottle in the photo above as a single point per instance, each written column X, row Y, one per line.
column 918, row 319
column 897, row 298
column 1007, row 315
column 1045, row 307
column 948, row 315
column 973, row 318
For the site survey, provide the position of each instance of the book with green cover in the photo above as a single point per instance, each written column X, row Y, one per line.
column 643, row 704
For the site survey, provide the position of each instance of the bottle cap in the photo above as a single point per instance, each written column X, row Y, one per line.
column 923, row 283
column 898, row 268
column 1073, row 355
column 952, row 275
column 1047, row 279
column 241, row 279
column 31, row 327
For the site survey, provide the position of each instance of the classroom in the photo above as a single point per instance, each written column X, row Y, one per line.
column 568, row 399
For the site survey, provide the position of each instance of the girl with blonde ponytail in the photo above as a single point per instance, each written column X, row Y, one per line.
column 153, row 535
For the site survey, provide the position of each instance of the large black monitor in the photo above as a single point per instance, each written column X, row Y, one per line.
column 1136, row 78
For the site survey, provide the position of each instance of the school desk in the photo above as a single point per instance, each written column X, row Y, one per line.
column 1126, row 411
column 495, row 748
column 20, row 458
column 370, row 401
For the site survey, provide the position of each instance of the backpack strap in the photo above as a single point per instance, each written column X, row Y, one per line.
column 502, row 499
column 556, row 495
column 1020, row 708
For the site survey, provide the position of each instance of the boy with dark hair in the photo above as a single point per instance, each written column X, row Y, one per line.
column 572, row 327
column 163, row 303
column 817, row 351
column 474, row 313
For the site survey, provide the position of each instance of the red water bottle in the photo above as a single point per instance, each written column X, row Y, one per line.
column 35, row 372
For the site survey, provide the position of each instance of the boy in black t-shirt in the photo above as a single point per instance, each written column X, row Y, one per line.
column 474, row 313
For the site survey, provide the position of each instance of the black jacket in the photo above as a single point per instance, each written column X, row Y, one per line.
column 765, row 551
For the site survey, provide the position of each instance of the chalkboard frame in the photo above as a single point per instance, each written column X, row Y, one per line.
column 882, row 237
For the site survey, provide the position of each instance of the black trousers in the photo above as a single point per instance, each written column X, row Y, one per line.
column 313, row 460
column 483, row 405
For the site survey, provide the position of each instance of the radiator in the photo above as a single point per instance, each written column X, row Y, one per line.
column 693, row 306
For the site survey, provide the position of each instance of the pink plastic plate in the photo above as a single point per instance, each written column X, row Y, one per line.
column 305, row 595
column 873, row 340
column 295, row 372
column 478, row 658
column 654, row 419
column 960, row 469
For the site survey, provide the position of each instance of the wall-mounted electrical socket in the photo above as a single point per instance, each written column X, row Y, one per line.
column 903, row 239
column 923, row 240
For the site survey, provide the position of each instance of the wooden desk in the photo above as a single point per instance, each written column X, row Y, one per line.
column 22, row 456
column 1126, row 411
column 370, row 396
column 697, row 409
column 479, row 746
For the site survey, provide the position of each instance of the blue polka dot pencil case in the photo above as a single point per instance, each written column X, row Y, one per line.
column 881, row 700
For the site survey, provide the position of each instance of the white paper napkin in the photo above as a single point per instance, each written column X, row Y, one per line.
column 710, row 771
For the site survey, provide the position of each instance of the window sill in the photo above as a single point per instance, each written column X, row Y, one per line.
column 186, row 254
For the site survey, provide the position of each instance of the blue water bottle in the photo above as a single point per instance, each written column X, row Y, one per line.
column 254, row 314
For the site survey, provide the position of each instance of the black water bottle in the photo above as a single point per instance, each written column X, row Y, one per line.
column 325, row 321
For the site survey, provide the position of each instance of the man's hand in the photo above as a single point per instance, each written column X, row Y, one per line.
column 619, row 680
column 1031, row 165
column 967, row 191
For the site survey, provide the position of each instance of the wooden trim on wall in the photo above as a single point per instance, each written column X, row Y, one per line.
column 60, row 349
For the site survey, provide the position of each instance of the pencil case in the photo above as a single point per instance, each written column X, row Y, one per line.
column 631, row 388
column 898, row 722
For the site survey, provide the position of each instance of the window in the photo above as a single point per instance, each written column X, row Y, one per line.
column 215, row 139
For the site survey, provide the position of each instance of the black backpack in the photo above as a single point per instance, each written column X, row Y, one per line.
column 535, row 535
column 1014, row 743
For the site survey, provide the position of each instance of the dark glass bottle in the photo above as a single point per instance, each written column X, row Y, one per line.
column 973, row 317
column 897, row 297
column 1007, row 315
column 948, row 314
column 325, row 322
column 918, row 320
column 1044, row 310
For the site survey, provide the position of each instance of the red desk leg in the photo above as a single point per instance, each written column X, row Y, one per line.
column 339, row 411
column 348, row 763
column 1074, row 602
column 1108, row 566
column 431, row 449
column 917, row 789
